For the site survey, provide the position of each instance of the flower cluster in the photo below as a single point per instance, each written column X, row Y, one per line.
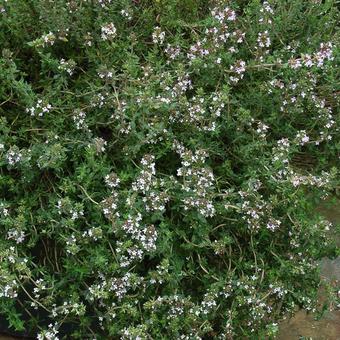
column 17, row 235
column 94, row 233
column 98, row 144
column 104, row 3
column 158, row 36
column 110, row 205
column 71, row 245
column 39, row 109
column 148, row 185
column 119, row 286
column 261, row 129
column 69, row 307
column 198, row 180
column 172, row 52
column 4, row 212
column 223, row 14
column 126, row 14
column 79, row 120
column 67, row 66
column 50, row 333
column 8, row 288
column 14, row 155
column 145, row 237
column 263, row 39
column 65, row 207
column 48, row 39
column 160, row 274
column 238, row 70
column 108, row 32
column 318, row 59
column 112, row 180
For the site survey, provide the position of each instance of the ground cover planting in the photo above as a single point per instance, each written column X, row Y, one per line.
column 160, row 165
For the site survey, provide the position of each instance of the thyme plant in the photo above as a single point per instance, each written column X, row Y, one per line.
column 160, row 165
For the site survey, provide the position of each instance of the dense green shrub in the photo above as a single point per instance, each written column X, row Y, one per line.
column 160, row 162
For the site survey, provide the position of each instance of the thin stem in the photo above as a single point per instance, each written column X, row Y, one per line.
column 87, row 195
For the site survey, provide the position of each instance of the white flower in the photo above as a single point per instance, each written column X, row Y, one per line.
column 263, row 39
column 108, row 31
column 39, row 109
column 48, row 39
column 158, row 36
